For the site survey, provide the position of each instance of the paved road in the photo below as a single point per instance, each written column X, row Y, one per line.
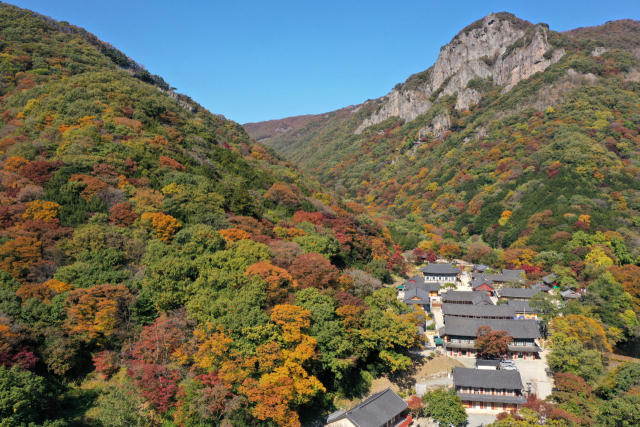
column 535, row 372
column 476, row 420
column 531, row 371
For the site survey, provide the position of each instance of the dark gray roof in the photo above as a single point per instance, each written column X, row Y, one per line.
column 480, row 267
column 482, row 362
column 416, row 292
column 426, row 287
column 518, row 273
column 518, row 292
column 521, row 306
column 499, row 277
column 375, row 411
column 418, row 278
column 477, row 310
column 570, row 294
column 549, row 278
column 335, row 416
column 464, row 296
column 542, row 287
column 416, row 301
column 479, row 282
column 468, row 377
column 442, row 269
column 466, row 327
column 474, row 397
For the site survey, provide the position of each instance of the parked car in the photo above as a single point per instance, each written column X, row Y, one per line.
column 507, row 363
column 508, row 367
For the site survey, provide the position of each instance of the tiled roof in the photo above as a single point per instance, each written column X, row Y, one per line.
column 418, row 278
column 416, row 301
column 478, row 310
column 375, row 411
column 475, row 283
column 416, row 292
column 443, row 269
column 499, row 277
column 518, row 273
column 570, row 294
column 464, row 296
column 426, row 287
column 468, row 377
column 521, row 306
column 518, row 292
column 466, row 327
column 542, row 287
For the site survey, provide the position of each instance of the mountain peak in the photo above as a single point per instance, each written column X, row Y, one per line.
column 497, row 50
column 491, row 19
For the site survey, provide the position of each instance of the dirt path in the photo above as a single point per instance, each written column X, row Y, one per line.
column 421, row 370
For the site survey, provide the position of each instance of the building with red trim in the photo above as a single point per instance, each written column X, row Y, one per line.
column 489, row 389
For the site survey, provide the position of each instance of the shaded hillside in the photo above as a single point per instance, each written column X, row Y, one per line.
column 265, row 130
column 151, row 252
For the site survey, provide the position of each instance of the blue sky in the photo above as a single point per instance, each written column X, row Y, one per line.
column 261, row 60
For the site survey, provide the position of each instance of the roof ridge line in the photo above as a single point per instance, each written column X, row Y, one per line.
column 368, row 400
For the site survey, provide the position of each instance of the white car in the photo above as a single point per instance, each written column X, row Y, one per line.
column 508, row 367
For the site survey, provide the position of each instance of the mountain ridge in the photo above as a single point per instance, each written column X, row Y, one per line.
column 151, row 252
column 385, row 166
column 418, row 101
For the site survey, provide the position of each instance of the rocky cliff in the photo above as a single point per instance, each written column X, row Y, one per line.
column 500, row 49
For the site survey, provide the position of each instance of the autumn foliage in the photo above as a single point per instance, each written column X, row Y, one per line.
column 122, row 215
column 314, row 270
column 165, row 226
column 492, row 344
column 42, row 211
column 279, row 281
column 97, row 313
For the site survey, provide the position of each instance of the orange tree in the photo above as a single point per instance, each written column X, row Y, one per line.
column 492, row 344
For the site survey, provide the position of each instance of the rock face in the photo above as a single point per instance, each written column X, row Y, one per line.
column 498, row 47
column 407, row 105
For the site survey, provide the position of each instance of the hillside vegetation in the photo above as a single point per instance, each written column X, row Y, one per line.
column 556, row 154
column 542, row 175
column 158, row 267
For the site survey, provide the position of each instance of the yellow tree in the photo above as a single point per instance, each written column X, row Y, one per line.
column 42, row 211
column 586, row 330
column 165, row 226
column 598, row 257
column 284, row 383
column 234, row 234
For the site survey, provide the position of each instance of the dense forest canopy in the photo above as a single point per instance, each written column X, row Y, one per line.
column 159, row 267
column 542, row 176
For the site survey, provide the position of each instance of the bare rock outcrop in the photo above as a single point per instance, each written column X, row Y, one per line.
column 406, row 105
column 439, row 125
column 524, row 62
column 500, row 49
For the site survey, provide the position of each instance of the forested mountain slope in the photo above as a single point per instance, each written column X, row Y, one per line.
column 158, row 267
column 561, row 143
